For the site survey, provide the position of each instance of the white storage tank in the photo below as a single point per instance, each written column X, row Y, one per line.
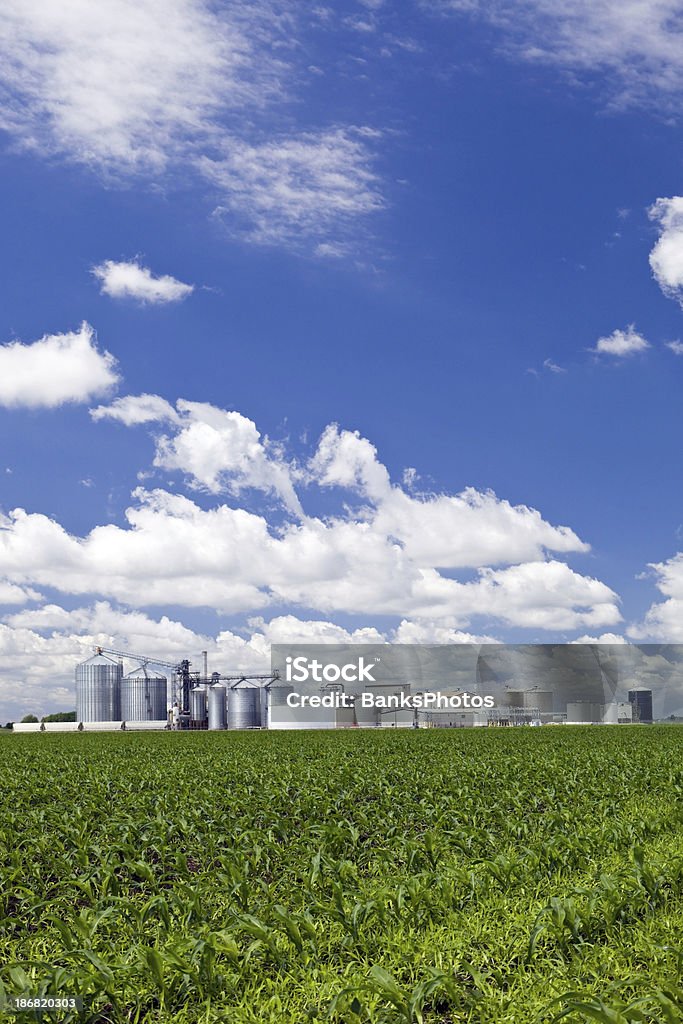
column 584, row 712
column 98, row 690
column 217, row 703
column 198, row 707
column 143, row 696
column 244, row 708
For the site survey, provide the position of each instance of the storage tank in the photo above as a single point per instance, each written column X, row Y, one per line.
column 143, row 696
column 530, row 700
column 514, row 698
column 244, row 708
column 640, row 700
column 98, row 690
column 541, row 700
column 277, row 712
column 584, row 711
column 217, row 707
column 198, row 707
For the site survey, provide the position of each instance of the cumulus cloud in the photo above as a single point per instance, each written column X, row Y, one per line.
column 57, row 369
column 288, row 629
column 622, row 343
column 223, row 451
column 604, row 638
column 10, row 594
column 676, row 347
column 469, row 529
column 220, row 451
column 666, row 258
column 393, row 555
column 130, row 280
column 140, row 88
column 664, row 619
column 133, row 410
column 638, row 47
column 436, row 633
column 345, row 459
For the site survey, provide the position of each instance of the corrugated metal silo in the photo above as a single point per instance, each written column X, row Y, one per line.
column 143, row 696
column 98, row 690
column 217, row 707
column 198, row 707
column 541, row 700
column 244, row 708
column 514, row 698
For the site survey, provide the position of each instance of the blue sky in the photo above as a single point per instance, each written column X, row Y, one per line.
column 373, row 250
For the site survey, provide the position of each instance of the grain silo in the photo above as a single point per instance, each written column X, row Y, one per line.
column 98, row 690
column 584, row 712
column 198, row 707
column 244, row 707
column 217, row 707
column 143, row 696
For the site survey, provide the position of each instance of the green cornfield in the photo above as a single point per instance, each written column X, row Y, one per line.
column 392, row 877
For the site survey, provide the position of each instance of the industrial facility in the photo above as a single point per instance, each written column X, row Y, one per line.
column 169, row 695
column 158, row 694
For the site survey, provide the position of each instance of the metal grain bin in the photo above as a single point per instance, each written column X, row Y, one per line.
column 217, row 707
column 198, row 707
column 143, row 696
column 98, row 690
column 538, row 700
column 244, row 708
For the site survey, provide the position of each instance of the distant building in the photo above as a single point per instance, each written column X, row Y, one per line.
column 641, row 702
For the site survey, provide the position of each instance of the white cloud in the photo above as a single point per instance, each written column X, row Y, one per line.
column 130, row 85
column 435, row 633
column 130, row 280
column 553, row 367
column 604, row 638
column 10, row 593
column 288, row 629
column 676, row 347
column 223, row 451
column 622, row 343
column 393, row 556
column 664, row 619
column 57, row 369
column 303, row 186
column 637, row 45
column 666, row 259
column 345, row 459
column 450, row 531
column 133, row 410
column 183, row 87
